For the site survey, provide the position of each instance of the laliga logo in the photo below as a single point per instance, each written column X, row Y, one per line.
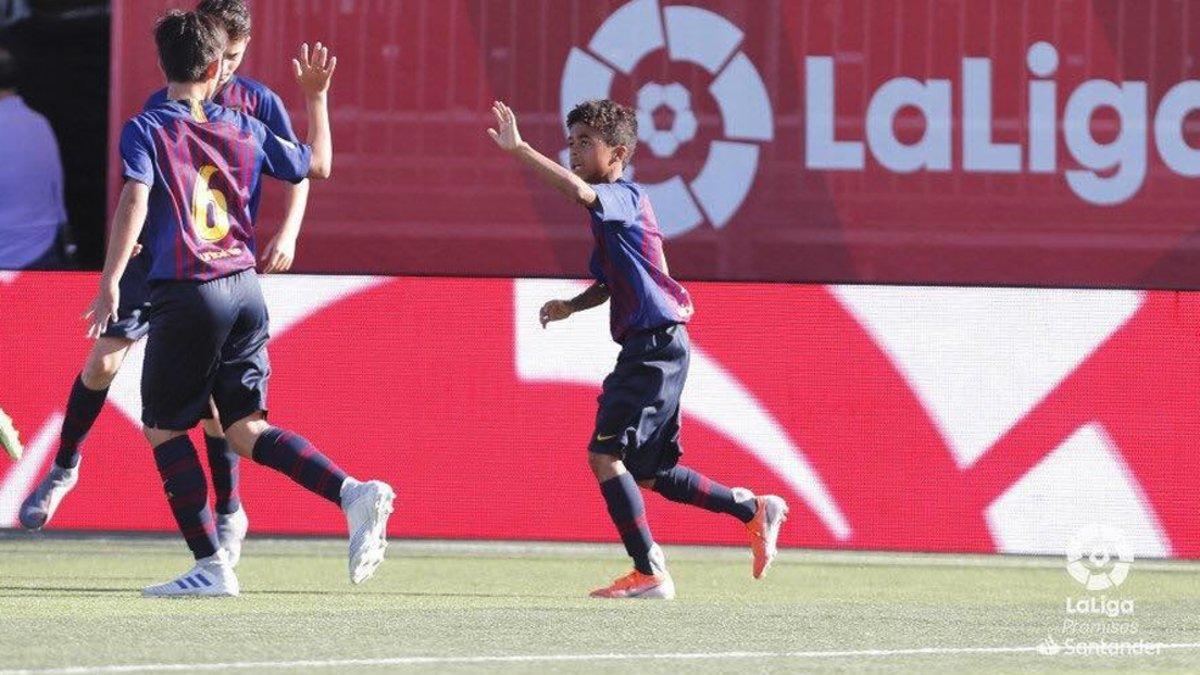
column 697, row 36
column 1098, row 557
column 1112, row 172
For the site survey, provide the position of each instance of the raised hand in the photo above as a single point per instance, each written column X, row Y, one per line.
column 314, row 71
column 506, row 134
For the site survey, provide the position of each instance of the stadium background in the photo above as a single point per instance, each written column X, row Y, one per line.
column 921, row 415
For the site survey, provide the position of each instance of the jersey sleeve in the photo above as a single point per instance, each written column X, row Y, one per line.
column 616, row 203
column 137, row 154
column 156, row 99
column 274, row 114
column 282, row 158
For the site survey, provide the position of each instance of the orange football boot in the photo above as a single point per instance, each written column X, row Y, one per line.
column 658, row 586
column 764, row 531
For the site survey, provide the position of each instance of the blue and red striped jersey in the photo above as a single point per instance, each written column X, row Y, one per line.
column 250, row 96
column 629, row 259
column 204, row 165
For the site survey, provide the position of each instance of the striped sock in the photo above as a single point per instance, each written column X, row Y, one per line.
column 223, row 464
column 187, row 493
column 295, row 457
column 628, row 512
column 683, row 485
column 83, row 407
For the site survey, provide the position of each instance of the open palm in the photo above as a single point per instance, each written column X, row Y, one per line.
column 314, row 70
column 506, row 134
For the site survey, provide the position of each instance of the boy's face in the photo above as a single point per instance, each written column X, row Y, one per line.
column 235, row 51
column 212, row 79
column 592, row 159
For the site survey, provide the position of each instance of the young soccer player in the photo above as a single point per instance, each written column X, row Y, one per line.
column 192, row 176
column 91, row 386
column 636, row 439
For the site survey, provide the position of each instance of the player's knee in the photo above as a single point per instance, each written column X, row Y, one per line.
column 244, row 433
column 99, row 372
column 212, row 427
column 605, row 466
column 159, row 436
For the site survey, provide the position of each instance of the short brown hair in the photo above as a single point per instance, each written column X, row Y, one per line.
column 187, row 43
column 234, row 14
column 616, row 123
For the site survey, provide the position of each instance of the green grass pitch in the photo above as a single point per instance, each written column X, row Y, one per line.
column 72, row 605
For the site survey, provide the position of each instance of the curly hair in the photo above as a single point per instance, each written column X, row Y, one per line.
column 187, row 43
column 234, row 14
column 616, row 123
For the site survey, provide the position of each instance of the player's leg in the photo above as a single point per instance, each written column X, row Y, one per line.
column 762, row 516
column 223, row 466
column 240, row 393
column 88, row 394
column 649, row 578
column 367, row 505
column 87, row 397
column 620, row 423
column 188, row 328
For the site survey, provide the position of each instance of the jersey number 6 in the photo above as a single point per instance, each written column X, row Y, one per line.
column 202, row 197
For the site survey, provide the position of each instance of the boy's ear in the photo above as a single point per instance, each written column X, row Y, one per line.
column 213, row 70
column 621, row 154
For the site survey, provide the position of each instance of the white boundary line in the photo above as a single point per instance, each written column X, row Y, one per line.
column 546, row 658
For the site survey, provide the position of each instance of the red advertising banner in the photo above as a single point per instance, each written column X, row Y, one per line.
column 916, row 418
column 961, row 141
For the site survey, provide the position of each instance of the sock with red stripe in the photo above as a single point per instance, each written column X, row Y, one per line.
column 83, row 407
column 223, row 463
column 187, row 493
column 296, row 458
column 628, row 512
column 683, row 485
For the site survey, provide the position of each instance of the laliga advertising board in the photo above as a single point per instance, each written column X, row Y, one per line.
column 893, row 418
column 808, row 140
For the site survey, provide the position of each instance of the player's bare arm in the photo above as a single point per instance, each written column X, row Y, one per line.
column 280, row 251
column 508, row 137
column 557, row 310
column 127, row 226
column 314, row 73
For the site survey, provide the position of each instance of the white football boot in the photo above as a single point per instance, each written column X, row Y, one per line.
column 367, row 506
column 40, row 505
column 212, row 577
column 231, row 532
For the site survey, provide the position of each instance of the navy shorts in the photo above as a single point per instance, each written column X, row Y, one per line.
column 206, row 339
column 133, row 313
column 638, row 419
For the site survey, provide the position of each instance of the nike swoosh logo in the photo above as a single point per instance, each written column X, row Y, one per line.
column 605, row 438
